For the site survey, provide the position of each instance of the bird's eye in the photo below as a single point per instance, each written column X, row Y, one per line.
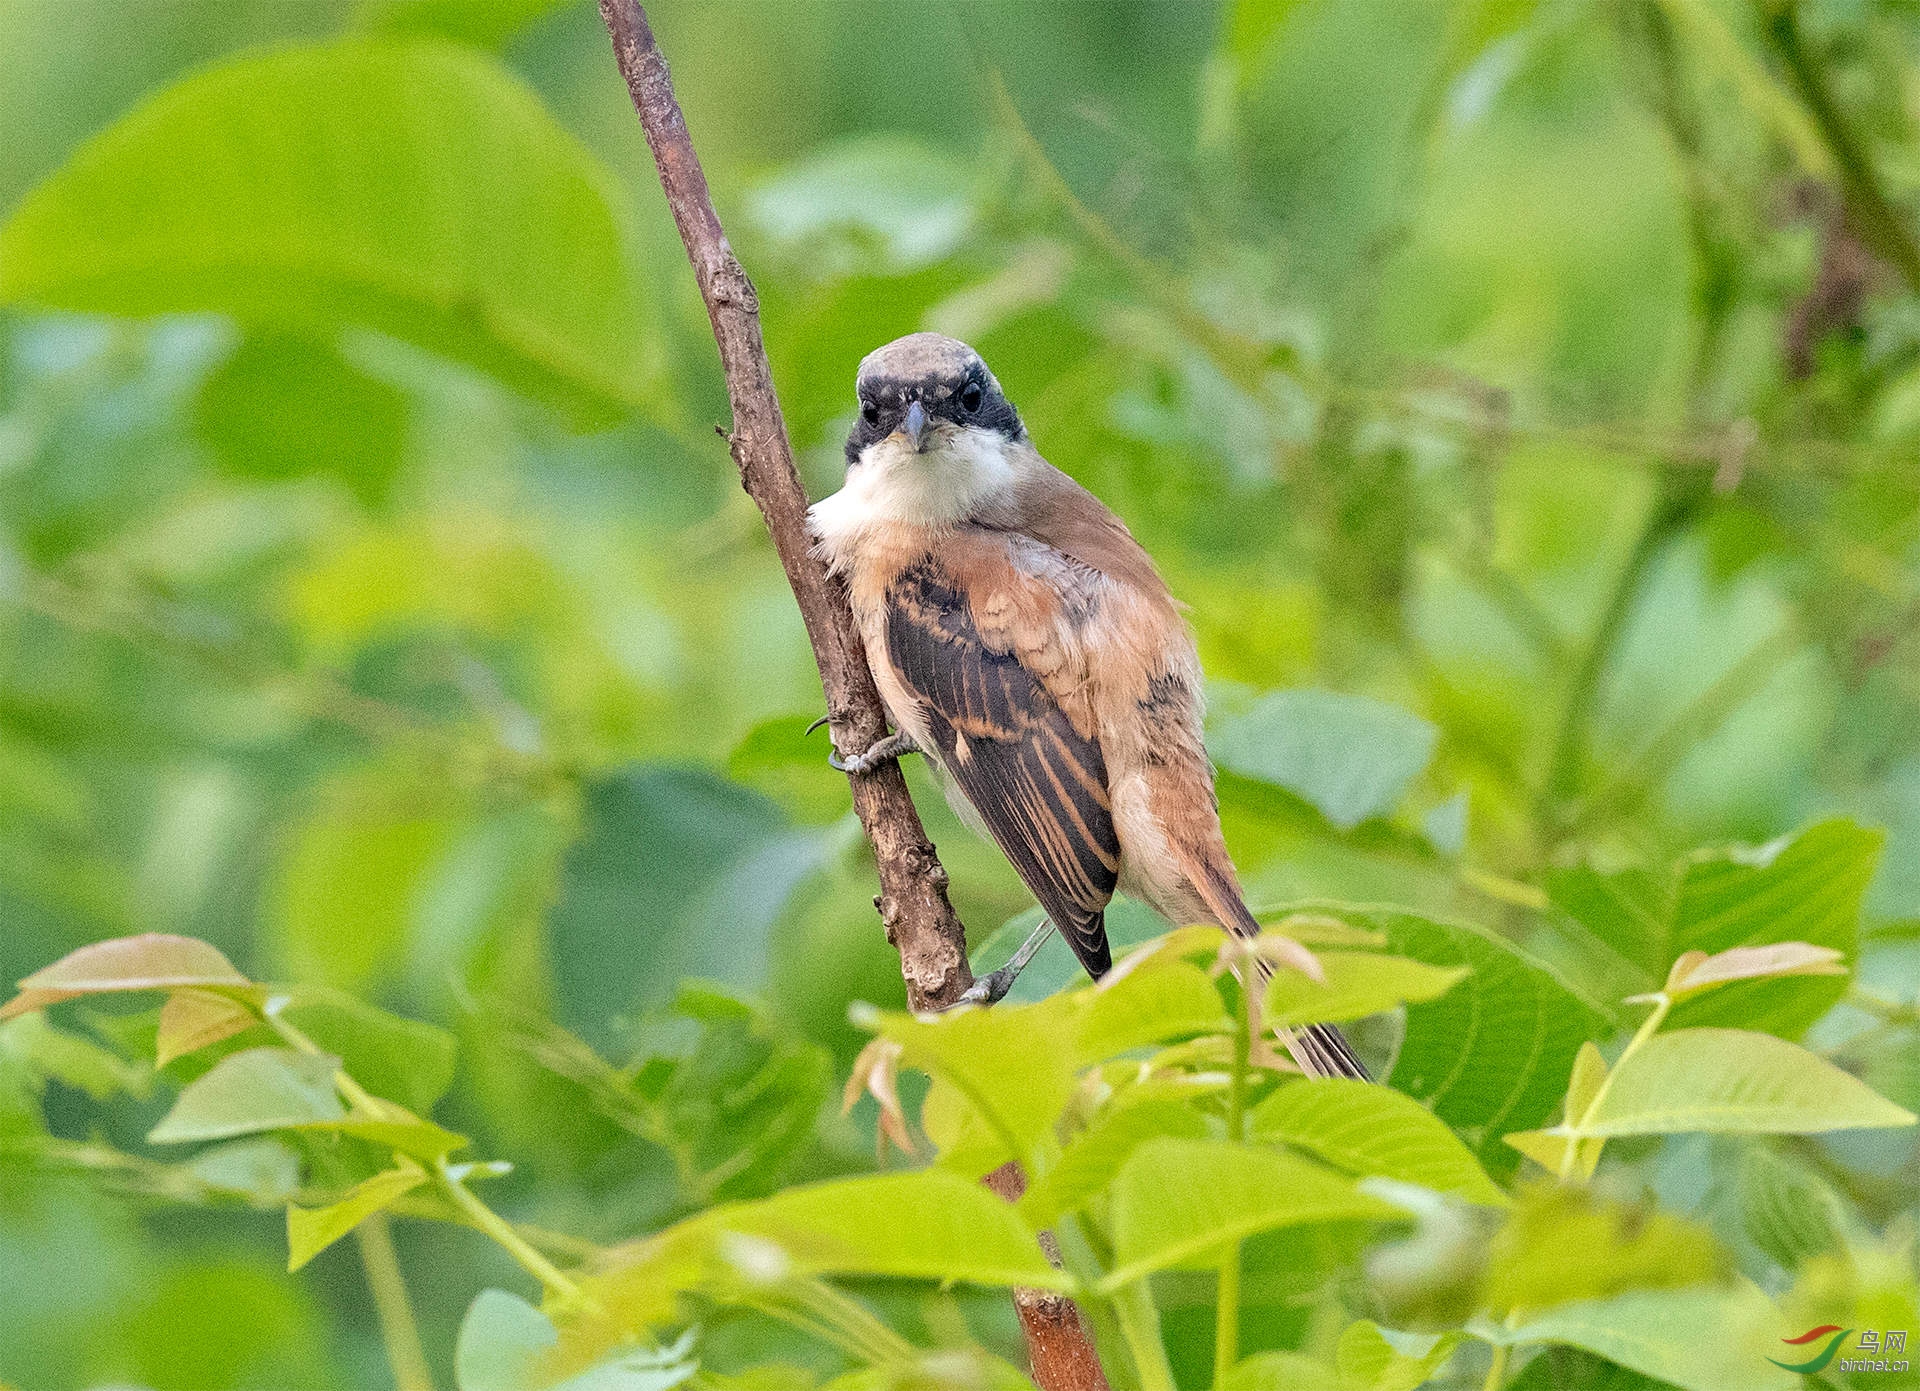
column 970, row 397
column 870, row 413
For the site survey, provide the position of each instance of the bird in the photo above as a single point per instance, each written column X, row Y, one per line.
column 1024, row 642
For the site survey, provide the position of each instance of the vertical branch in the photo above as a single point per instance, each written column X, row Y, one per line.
column 913, row 902
column 920, row 921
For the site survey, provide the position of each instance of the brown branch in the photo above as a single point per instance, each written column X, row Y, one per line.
column 913, row 887
column 920, row 921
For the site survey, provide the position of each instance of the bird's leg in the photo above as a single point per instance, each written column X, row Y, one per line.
column 890, row 747
column 991, row 988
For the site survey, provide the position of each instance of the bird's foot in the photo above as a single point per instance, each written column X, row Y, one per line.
column 989, row 989
column 893, row 746
column 992, row 988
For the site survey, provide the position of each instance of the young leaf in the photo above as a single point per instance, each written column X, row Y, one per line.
column 1732, row 1080
column 1695, row 971
column 312, row 1230
column 419, row 189
column 151, row 961
column 1357, row 984
column 192, row 1019
column 1370, row 1358
column 1177, row 1202
column 1807, row 889
column 1350, row 756
column 1370, row 1130
column 260, row 1089
column 876, row 1072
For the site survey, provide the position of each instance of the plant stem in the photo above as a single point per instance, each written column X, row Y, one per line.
column 1873, row 211
column 495, row 1226
column 398, row 1329
column 1226, row 1318
column 1497, row 1370
column 1140, row 1326
column 362, row 1099
column 1670, row 513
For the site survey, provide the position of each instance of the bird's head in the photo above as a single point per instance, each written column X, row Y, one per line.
column 929, row 395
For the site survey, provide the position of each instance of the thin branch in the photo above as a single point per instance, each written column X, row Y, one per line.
column 920, row 921
column 398, row 1330
column 913, row 886
column 1879, row 221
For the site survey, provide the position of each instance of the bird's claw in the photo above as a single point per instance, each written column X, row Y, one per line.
column 856, row 763
column 989, row 989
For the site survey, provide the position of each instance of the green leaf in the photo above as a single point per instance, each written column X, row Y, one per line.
column 194, row 1019
column 46, row 1052
column 151, row 961
column 1621, row 1246
column 1357, row 984
column 1351, row 757
column 1549, row 1150
column 311, row 1230
column 286, row 406
column 1787, row 1209
column 1732, row 1080
column 967, row 1141
column 877, row 203
column 951, row 1369
column 405, row 1134
column 1278, row 1371
column 415, row 188
column 1370, row 1358
column 1087, row 1165
column 1369, row 1130
column 506, row 1344
column 260, row 1089
column 262, row 1169
column 1804, row 889
column 400, row 1059
column 1013, row 1064
column 1164, row 999
column 1177, row 1203
column 1707, row 1339
column 929, row 1225
column 1491, row 1055
column 482, row 23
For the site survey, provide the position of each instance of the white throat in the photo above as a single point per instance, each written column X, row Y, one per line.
column 960, row 472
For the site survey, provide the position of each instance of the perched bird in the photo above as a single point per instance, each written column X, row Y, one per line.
column 1025, row 643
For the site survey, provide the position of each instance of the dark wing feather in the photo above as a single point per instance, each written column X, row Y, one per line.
column 1040, row 785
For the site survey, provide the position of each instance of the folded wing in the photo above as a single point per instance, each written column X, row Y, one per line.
column 1038, row 783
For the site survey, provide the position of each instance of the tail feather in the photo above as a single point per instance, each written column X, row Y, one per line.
column 1321, row 1050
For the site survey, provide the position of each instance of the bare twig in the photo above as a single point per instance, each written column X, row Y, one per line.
column 913, row 902
column 913, row 887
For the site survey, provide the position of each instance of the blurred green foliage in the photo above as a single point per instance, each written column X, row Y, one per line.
column 1524, row 396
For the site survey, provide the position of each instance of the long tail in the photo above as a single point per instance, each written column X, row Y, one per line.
column 1321, row 1050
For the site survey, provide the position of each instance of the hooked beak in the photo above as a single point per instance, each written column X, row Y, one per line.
column 914, row 426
